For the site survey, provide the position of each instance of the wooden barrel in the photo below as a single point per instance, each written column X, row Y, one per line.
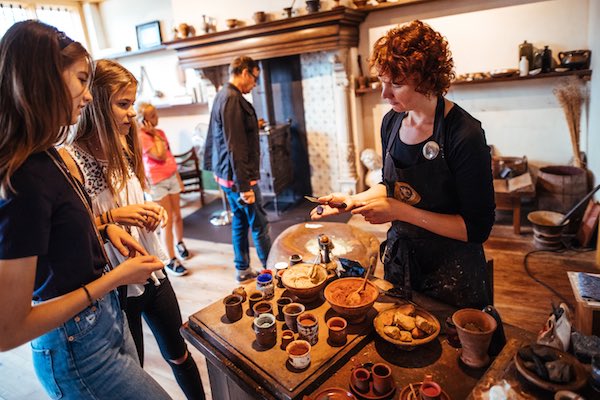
column 559, row 188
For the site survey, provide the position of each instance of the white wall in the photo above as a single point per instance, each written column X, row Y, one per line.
column 520, row 118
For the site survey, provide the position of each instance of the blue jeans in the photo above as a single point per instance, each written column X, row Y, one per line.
column 92, row 356
column 248, row 216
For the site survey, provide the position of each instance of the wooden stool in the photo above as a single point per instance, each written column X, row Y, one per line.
column 587, row 312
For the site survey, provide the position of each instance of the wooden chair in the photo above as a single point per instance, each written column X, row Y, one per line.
column 188, row 166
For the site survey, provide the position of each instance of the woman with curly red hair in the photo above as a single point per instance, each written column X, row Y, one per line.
column 437, row 188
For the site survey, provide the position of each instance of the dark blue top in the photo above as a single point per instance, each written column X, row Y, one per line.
column 46, row 218
column 469, row 160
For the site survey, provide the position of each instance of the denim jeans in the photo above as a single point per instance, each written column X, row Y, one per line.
column 92, row 356
column 248, row 216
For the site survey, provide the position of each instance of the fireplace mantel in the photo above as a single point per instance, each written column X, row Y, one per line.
column 321, row 31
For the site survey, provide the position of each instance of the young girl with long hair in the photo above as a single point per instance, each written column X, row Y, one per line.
column 53, row 271
column 106, row 158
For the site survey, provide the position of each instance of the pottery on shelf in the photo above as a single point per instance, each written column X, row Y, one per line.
column 231, row 23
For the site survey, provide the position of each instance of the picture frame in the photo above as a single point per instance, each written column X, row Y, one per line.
column 148, row 35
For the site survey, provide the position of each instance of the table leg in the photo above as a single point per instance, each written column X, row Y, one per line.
column 516, row 215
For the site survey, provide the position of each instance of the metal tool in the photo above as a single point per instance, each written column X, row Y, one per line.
column 333, row 204
column 572, row 210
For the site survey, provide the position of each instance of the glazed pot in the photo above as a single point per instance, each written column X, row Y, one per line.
column 575, row 59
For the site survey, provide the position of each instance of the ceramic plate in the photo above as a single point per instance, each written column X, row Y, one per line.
column 333, row 394
column 502, row 73
column 378, row 323
column 577, row 383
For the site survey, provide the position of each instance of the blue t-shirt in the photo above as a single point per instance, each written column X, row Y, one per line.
column 45, row 217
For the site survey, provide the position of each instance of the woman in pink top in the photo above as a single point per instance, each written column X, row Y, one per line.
column 165, row 183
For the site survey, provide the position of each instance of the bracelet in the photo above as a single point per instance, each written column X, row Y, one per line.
column 103, row 233
column 87, row 293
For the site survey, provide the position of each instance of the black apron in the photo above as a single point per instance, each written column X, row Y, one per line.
column 416, row 259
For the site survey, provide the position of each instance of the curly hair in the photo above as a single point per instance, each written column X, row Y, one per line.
column 415, row 52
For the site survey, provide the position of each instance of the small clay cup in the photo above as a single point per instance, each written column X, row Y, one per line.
column 282, row 302
column 295, row 259
column 290, row 314
column 430, row 390
column 233, row 307
column 287, row 337
column 308, row 327
column 337, row 327
column 298, row 354
column 360, row 379
column 262, row 307
column 254, row 298
column 383, row 382
column 265, row 329
column 475, row 343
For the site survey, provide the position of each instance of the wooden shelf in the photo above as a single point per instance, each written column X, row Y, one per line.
column 391, row 4
column 136, row 52
column 584, row 74
column 181, row 110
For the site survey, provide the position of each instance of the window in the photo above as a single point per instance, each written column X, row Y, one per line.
column 66, row 18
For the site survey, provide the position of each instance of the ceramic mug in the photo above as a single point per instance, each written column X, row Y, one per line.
column 287, row 337
column 290, row 314
column 265, row 330
column 298, row 353
column 430, row 390
column 308, row 327
column 360, row 379
column 282, row 302
column 233, row 307
column 337, row 327
column 254, row 298
column 264, row 284
column 262, row 307
column 383, row 382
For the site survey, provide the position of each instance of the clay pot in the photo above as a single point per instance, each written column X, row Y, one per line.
column 254, row 298
column 475, row 329
column 262, row 307
column 290, row 314
column 382, row 378
column 308, row 328
column 233, row 307
column 282, row 302
column 231, row 23
column 259, row 17
column 299, row 354
column 265, row 330
column 360, row 379
column 240, row 291
column 287, row 337
column 337, row 331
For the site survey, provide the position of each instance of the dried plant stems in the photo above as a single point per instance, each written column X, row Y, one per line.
column 571, row 99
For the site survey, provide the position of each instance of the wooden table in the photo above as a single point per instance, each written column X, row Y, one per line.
column 511, row 201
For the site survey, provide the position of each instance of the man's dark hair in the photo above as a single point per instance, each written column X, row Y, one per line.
column 239, row 64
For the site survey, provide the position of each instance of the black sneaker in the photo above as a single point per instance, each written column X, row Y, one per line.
column 182, row 250
column 175, row 268
column 245, row 274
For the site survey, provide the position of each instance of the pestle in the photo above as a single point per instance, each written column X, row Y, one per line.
column 572, row 210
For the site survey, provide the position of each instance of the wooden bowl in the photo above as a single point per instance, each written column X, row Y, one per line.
column 577, row 383
column 384, row 315
column 337, row 291
column 305, row 293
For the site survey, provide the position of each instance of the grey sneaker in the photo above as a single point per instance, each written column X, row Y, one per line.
column 245, row 274
column 176, row 268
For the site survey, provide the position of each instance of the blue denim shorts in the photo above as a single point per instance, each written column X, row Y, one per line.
column 92, row 356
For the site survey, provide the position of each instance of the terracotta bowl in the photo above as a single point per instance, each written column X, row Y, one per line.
column 337, row 292
column 304, row 291
column 378, row 322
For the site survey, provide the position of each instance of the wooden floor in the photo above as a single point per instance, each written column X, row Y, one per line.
column 520, row 300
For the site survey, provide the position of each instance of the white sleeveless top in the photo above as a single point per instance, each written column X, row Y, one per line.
column 94, row 182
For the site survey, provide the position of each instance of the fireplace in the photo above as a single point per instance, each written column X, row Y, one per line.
column 306, row 82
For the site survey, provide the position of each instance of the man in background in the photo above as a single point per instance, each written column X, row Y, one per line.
column 233, row 154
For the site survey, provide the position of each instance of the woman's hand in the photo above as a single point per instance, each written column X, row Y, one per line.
column 147, row 215
column 248, row 197
column 137, row 269
column 123, row 241
column 149, row 128
column 325, row 210
column 379, row 211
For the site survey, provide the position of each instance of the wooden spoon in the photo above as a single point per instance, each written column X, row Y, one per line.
column 354, row 297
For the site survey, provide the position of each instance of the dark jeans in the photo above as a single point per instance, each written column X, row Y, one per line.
column 248, row 216
column 160, row 309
